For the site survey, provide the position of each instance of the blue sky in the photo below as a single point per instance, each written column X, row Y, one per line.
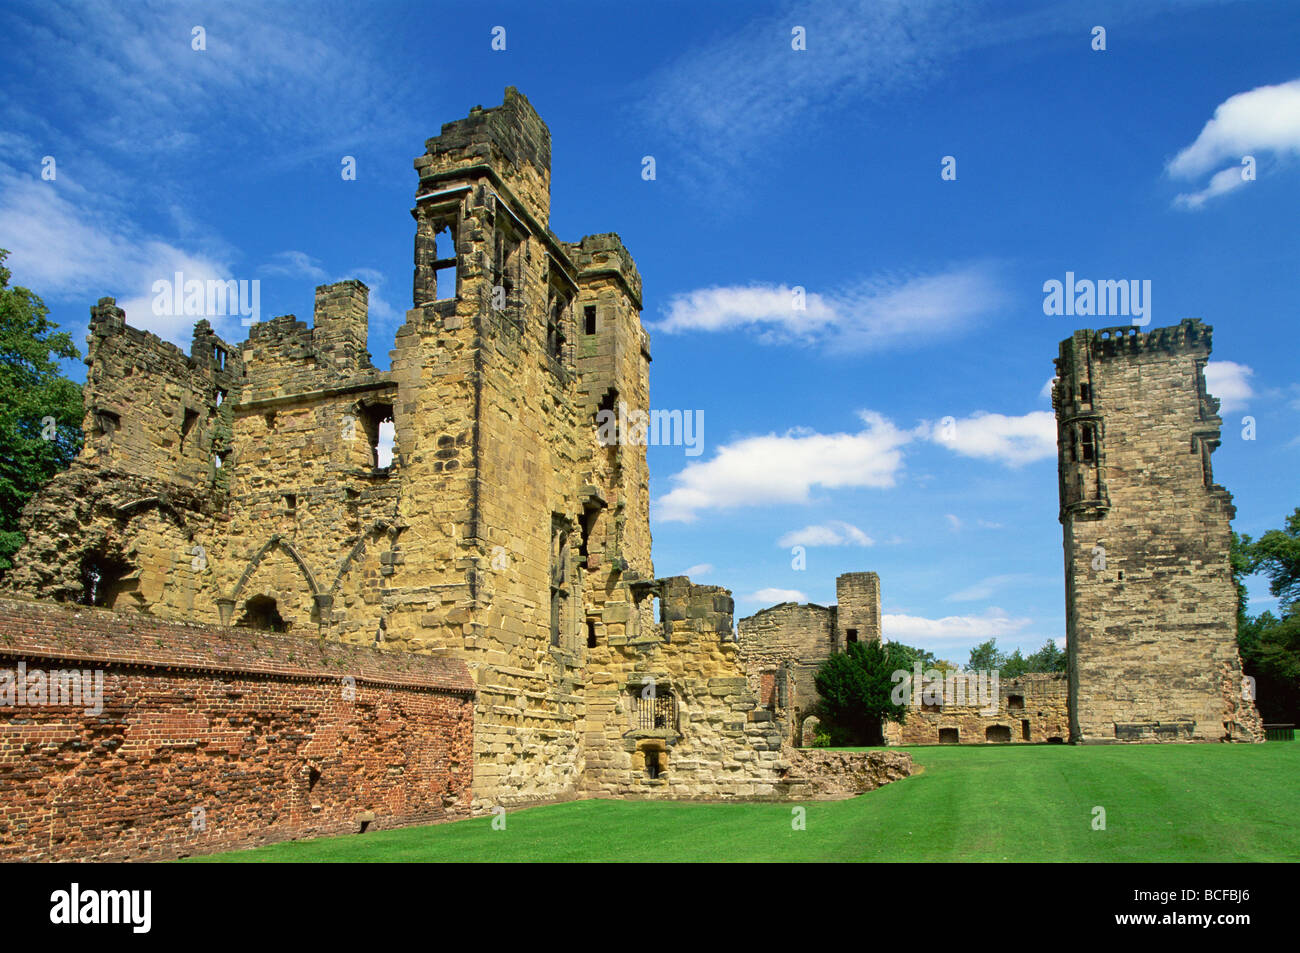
column 775, row 168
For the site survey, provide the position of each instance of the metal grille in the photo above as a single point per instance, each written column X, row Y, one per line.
column 658, row 712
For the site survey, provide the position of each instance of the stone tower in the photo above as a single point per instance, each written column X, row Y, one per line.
column 857, row 615
column 1150, row 599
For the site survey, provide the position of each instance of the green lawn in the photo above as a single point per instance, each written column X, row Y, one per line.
column 1019, row 803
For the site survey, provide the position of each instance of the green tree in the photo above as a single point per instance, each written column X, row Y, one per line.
column 1047, row 659
column 1277, row 555
column 1270, row 646
column 40, row 409
column 857, row 687
column 1013, row 665
column 986, row 657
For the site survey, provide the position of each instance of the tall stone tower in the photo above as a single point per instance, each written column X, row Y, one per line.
column 1150, row 599
column 857, row 614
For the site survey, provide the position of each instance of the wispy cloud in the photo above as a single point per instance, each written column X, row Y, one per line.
column 699, row 570
column 876, row 314
column 830, row 533
column 1230, row 382
column 750, row 86
column 294, row 264
column 1264, row 120
column 922, row 632
column 986, row 587
column 784, row 468
column 775, row 596
column 151, row 90
column 1012, row 441
column 733, row 98
column 62, row 249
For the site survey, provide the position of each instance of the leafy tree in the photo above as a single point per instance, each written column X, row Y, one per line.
column 40, row 409
column 856, row 688
column 1013, row 665
column 1270, row 646
column 986, row 657
column 1277, row 555
column 1049, row 658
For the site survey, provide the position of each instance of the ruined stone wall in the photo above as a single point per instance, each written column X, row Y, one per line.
column 1031, row 709
column 151, row 411
column 800, row 636
column 1150, row 601
column 144, row 490
column 212, row 739
column 670, row 712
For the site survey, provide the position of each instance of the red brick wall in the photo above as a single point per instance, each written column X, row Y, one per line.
column 234, row 722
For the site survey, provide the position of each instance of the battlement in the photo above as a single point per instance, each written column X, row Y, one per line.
column 207, row 352
column 605, row 254
column 1190, row 335
column 505, row 142
column 151, row 410
column 340, row 326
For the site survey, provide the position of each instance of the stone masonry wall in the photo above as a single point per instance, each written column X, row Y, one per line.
column 210, row 739
column 1031, row 709
column 798, row 636
column 1150, row 600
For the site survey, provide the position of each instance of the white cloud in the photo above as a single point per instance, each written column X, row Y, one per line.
column 387, row 437
column 1230, row 382
column 830, row 533
column 699, row 570
column 922, row 632
column 380, row 309
column 61, row 248
column 986, row 587
column 954, row 522
column 294, row 264
column 784, row 468
column 1224, row 181
column 1263, row 120
column 879, row 313
column 1013, row 441
column 775, row 596
column 721, row 309
column 1046, row 390
column 151, row 92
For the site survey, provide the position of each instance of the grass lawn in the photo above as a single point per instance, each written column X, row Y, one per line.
column 1018, row 802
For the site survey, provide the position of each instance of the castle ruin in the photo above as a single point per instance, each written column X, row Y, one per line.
column 244, row 486
column 262, row 585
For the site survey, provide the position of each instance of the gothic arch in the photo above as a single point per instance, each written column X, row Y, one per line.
column 379, row 527
column 256, row 561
